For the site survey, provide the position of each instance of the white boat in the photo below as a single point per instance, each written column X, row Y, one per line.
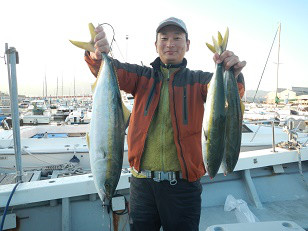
column 79, row 116
column 63, row 111
column 37, row 113
column 47, row 146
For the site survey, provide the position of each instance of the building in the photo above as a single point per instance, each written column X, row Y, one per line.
column 297, row 95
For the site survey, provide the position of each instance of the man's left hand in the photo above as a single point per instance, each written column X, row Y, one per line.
column 230, row 60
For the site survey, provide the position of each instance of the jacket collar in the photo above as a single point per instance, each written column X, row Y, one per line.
column 157, row 63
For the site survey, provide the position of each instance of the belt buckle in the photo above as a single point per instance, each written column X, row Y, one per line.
column 157, row 176
column 169, row 176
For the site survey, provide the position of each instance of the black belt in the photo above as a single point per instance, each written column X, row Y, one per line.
column 159, row 176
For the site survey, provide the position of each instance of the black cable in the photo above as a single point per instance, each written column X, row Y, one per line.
column 112, row 31
column 3, row 57
column 7, row 206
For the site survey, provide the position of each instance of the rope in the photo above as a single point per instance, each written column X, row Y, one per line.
column 300, row 166
column 29, row 153
column 293, row 144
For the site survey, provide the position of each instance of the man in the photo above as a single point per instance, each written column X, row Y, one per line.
column 164, row 136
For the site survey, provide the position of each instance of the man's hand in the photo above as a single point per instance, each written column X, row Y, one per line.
column 101, row 44
column 230, row 60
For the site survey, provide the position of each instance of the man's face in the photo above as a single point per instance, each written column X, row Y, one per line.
column 171, row 45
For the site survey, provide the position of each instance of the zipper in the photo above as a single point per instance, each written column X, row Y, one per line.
column 185, row 121
column 165, row 83
column 150, row 98
column 177, row 127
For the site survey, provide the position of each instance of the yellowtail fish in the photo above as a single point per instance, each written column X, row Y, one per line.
column 107, row 127
column 223, row 125
column 215, row 115
column 234, row 118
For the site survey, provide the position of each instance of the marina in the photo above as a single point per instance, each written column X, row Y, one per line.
column 46, row 182
column 58, row 190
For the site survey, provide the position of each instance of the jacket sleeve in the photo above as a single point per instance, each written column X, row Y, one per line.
column 94, row 65
column 128, row 74
column 241, row 85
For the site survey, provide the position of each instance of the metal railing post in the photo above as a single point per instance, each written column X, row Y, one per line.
column 273, row 135
column 11, row 62
column 290, row 127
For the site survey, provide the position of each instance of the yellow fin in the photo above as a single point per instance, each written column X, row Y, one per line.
column 93, row 86
column 89, row 46
column 88, row 140
column 242, row 107
column 217, row 48
column 225, row 40
column 211, row 47
column 126, row 112
column 92, row 32
column 84, row 45
column 219, row 39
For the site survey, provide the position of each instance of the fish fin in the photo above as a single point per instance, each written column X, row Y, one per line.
column 211, row 47
column 126, row 113
column 88, row 140
column 242, row 107
column 217, row 48
column 92, row 32
column 84, row 45
column 89, row 46
column 220, row 39
column 93, row 86
column 225, row 40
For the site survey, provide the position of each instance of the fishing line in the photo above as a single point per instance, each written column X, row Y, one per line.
column 113, row 40
column 105, row 23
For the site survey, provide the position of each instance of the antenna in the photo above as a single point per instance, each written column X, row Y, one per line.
column 126, row 47
column 276, row 97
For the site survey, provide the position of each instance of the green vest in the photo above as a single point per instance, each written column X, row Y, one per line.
column 160, row 152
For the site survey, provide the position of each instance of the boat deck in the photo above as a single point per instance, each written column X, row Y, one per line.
column 294, row 210
column 270, row 184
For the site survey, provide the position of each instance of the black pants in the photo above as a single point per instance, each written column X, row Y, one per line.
column 155, row 204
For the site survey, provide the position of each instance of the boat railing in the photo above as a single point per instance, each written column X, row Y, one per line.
column 288, row 128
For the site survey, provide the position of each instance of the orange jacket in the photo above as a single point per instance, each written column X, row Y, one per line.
column 187, row 94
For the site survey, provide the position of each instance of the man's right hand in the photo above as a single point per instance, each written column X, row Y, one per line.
column 101, row 44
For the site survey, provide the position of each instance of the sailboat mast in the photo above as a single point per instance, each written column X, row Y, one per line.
column 74, row 89
column 276, row 97
column 46, row 86
column 62, row 86
column 57, row 88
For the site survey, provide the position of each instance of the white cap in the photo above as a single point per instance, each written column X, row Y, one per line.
column 172, row 21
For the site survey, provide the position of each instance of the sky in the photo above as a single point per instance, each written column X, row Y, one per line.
column 40, row 32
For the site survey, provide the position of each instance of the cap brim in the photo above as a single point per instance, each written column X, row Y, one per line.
column 170, row 24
